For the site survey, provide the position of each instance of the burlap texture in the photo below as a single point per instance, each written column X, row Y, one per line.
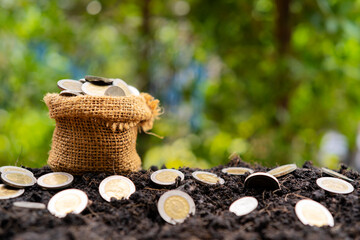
column 98, row 134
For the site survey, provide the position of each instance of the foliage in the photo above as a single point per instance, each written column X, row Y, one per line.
column 253, row 77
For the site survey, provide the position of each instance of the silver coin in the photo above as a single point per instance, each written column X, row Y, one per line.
column 55, row 180
column 31, row 205
column 82, row 80
column 243, row 206
column 336, row 174
column 68, row 201
column 94, row 90
column 207, row 177
column 313, row 213
column 134, row 90
column 166, row 176
column 98, row 80
column 335, row 185
column 8, row 192
column 237, row 170
column 4, row 169
column 175, row 206
column 69, row 84
column 69, row 93
column 115, row 91
column 282, row 170
column 262, row 180
column 120, row 83
column 18, row 179
column 116, row 186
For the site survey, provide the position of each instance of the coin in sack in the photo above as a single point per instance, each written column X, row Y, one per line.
column 313, row 213
column 68, row 201
column 98, row 80
column 166, row 176
column 120, row 83
column 134, row 90
column 175, row 206
column 115, row 91
column 335, row 185
column 69, row 84
column 7, row 192
column 237, row 170
column 336, row 174
column 18, row 179
column 94, row 90
column 55, row 180
column 208, row 178
column 282, row 170
column 117, row 187
column 69, row 93
column 262, row 180
column 243, row 206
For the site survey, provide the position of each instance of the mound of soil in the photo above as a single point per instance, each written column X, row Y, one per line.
column 138, row 218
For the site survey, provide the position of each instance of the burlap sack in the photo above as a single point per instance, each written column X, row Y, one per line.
column 98, row 134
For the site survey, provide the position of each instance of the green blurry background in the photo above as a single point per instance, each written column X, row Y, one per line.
column 275, row 81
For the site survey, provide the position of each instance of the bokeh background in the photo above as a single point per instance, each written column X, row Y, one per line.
column 275, row 81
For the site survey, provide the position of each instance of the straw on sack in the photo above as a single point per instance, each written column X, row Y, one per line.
column 98, row 134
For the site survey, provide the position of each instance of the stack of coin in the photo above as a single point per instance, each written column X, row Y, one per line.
column 17, row 177
column 96, row 86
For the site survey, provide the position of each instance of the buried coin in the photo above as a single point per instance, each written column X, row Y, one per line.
column 116, row 186
column 243, row 206
column 94, row 90
column 55, row 180
column 68, row 201
column 208, row 178
column 31, row 205
column 262, row 180
column 18, row 179
column 7, row 192
column 313, row 213
column 4, row 169
column 335, row 185
column 69, row 93
column 336, row 174
column 166, row 176
column 282, row 170
column 69, row 84
column 175, row 206
column 98, row 80
column 115, row 91
column 237, row 170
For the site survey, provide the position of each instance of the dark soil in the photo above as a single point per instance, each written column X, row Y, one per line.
column 138, row 218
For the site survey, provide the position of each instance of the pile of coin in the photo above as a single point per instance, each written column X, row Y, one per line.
column 96, row 86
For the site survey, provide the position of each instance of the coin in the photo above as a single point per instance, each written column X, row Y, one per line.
column 115, row 91
column 175, row 206
column 31, row 205
column 206, row 177
column 282, row 170
column 120, row 83
column 7, row 192
column 262, row 180
column 69, row 84
column 4, row 169
column 69, row 93
column 98, row 80
column 313, row 213
column 94, row 90
column 237, row 170
column 166, row 176
column 68, row 201
column 134, row 90
column 243, row 206
column 18, row 179
column 55, row 180
column 82, row 80
column 335, row 185
column 116, row 186
column 336, row 174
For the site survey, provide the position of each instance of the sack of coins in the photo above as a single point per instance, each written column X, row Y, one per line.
column 97, row 121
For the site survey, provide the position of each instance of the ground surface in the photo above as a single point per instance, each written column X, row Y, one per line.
column 138, row 218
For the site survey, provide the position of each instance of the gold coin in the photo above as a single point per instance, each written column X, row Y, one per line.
column 335, row 185
column 206, row 177
column 18, row 179
column 175, row 206
column 237, row 170
column 282, row 170
column 116, row 186
column 68, row 201
column 94, row 90
column 7, row 192
column 166, row 176
column 313, row 213
column 69, row 84
column 262, row 180
column 336, row 174
column 55, row 180
column 4, row 169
